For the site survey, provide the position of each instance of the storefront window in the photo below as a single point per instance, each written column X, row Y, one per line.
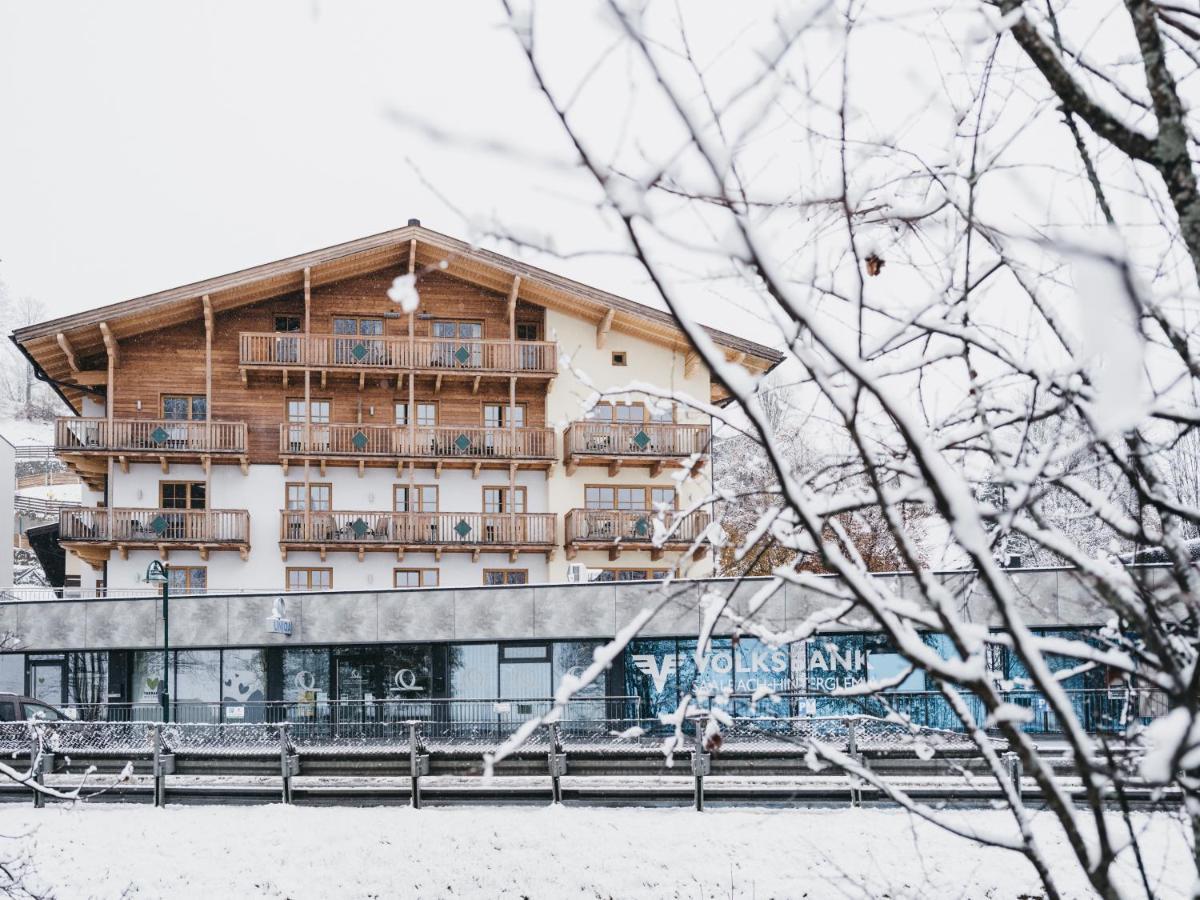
column 474, row 675
column 305, row 675
column 146, row 676
column 12, row 673
column 88, row 682
column 573, row 658
column 197, row 680
column 245, row 676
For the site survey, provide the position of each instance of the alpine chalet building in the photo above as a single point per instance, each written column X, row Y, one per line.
column 291, row 427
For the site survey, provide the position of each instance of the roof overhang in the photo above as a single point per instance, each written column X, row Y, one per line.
column 69, row 351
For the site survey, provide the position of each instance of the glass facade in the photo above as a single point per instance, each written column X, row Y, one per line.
column 519, row 678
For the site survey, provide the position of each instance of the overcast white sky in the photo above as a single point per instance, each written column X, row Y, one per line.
column 146, row 145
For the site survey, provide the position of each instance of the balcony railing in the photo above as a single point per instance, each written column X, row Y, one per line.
column 635, row 440
column 625, row 526
column 155, row 526
column 357, row 352
column 441, row 442
column 156, row 436
column 406, row 529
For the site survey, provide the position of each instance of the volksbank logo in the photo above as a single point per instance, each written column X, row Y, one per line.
column 655, row 669
column 768, row 660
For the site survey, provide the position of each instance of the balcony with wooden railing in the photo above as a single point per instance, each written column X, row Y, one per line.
column 615, row 530
column 424, row 532
column 656, row 445
column 84, row 443
column 93, row 532
column 452, row 446
column 362, row 354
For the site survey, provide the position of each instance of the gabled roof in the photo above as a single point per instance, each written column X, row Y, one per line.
column 83, row 337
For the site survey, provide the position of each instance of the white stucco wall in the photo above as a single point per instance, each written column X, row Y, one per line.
column 647, row 363
column 262, row 494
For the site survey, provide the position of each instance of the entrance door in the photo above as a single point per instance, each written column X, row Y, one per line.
column 48, row 682
column 525, row 676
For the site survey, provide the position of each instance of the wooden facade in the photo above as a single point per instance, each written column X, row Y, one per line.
column 310, row 367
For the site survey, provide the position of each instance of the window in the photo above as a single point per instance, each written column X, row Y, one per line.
column 185, row 407
column 411, row 578
column 618, row 412
column 309, row 579
column 353, row 325
column 631, row 497
column 619, row 358
column 181, row 495
column 287, row 324
column 527, row 331
column 495, row 415
column 426, row 414
column 494, row 577
column 497, row 500
column 318, row 411
column 313, row 497
column 599, row 497
column 187, row 579
column 456, row 347
column 633, row 574
column 415, row 498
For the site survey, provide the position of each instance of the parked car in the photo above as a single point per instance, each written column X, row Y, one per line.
column 16, row 708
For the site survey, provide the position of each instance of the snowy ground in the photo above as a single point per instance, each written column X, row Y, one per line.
column 278, row 851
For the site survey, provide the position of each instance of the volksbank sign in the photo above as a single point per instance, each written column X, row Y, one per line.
column 662, row 671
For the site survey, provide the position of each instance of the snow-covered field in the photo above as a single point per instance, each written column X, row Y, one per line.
column 278, row 851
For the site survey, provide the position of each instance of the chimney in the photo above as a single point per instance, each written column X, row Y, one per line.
column 416, row 222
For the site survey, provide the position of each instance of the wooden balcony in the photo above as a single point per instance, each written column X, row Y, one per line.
column 617, row 529
column 93, row 532
column 357, row 355
column 656, row 445
column 432, row 532
column 452, row 446
column 86, row 444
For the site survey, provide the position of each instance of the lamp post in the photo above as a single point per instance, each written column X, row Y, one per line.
column 157, row 572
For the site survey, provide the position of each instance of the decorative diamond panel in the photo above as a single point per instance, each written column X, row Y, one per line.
column 159, row 525
column 359, row 527
column 641, row 439
column 640, row 527
column 359, row 351
column 462, row 442
column 159, row 434
column 462, row 354
column 462, row 528
column 359, row 440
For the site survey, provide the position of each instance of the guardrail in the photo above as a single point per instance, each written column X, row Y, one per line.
column 73, row 434
column 48, row 478
column 359, row 352
column 441, row 442
column 622, row 439
column 41, row 507
column 414, row 529
column 422, row 748
column 613, row 526
column 154, row 526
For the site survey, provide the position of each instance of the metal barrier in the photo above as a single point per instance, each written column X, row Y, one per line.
column 606, row 747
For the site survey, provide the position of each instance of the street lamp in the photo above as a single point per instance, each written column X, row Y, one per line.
column 156, row 572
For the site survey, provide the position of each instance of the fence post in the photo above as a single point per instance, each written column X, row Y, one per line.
column 418, row 763
column 39, row 761
column 289, row 762
column 557, row 760
column 852, row 752
column 164, row 765
column 1012, row 763
column 701, row 766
